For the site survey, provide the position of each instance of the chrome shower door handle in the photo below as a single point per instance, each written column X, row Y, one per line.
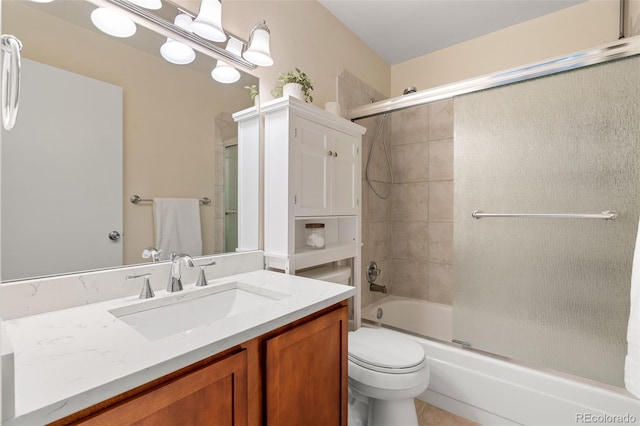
column 10, row 88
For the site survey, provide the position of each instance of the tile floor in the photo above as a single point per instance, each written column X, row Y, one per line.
column 428, row 415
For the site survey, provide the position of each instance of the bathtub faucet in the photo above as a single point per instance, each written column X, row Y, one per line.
column 378, row 287
column 372, row 273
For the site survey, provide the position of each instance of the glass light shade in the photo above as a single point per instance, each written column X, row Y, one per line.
column 208, row 23
column 225, row 73
column 113, row 23
column 258, row 52
column 184, row 21
column 177, row 53
column 148, row 4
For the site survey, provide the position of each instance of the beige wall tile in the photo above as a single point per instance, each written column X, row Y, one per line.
column 410, row 202
column 378, row 207
column 409, row 240
column 440, row 283
column 441, row 160
column 411, row 162
column 441, row 242
column 441, row 201
column 410, row 125
column 365, row 202
column 378, row 239
column 410, row 279
column 441, row 120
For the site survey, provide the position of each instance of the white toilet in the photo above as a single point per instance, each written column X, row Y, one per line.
column 387, row 371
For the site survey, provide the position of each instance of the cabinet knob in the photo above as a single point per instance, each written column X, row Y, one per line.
column 335, row 154
column 330, row 153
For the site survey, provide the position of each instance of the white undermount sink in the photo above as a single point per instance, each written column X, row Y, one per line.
column 162, row 317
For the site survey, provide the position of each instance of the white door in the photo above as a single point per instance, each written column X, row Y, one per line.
column 311, row 162
column 62, row 175
column 344, row 175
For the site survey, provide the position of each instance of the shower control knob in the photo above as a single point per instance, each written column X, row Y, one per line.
column 114, row 235
column 330, row 153
column 335, row 154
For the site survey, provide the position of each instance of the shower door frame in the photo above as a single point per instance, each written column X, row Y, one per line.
column 607, row 52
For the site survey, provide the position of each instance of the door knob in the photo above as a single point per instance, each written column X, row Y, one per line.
column 114, row 235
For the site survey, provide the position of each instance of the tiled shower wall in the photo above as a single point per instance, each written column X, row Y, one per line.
column 410, row 233
column 422, row 202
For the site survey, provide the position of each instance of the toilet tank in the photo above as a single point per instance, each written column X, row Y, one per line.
column 332, row 273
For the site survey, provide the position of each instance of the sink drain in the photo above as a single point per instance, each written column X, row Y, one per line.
column 379, row 313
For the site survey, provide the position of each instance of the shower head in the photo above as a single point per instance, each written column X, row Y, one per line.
column 409, row 89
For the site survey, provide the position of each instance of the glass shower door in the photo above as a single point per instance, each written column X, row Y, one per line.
column 552, row 291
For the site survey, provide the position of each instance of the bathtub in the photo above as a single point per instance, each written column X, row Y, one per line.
column 491, row 390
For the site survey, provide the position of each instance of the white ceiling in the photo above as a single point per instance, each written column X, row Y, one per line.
column 399, row 30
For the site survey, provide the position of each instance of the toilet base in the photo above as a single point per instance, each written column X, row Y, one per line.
column 392, row 412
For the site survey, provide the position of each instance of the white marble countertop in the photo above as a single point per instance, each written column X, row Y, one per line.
column 70, row 359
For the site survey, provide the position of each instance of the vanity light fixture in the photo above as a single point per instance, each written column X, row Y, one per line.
column 258, row 48
column 174, row 51
column 223, row 72
column 148, row 4
column 112, row 22
column 208, row 23
column 199, row 35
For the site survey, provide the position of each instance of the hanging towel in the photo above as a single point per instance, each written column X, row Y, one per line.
column 632, row 361
column 177, row 226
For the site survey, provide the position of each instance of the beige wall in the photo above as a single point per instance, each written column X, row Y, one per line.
column 576, row 28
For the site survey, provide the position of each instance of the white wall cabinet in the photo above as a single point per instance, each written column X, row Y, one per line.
column 312, row 175
column 325, row 170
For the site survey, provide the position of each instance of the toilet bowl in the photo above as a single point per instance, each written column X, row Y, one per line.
column 387, row 371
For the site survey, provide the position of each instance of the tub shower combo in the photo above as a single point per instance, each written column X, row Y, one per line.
column 544, row 213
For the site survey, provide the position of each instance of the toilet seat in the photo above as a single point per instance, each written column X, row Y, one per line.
column 385, row 352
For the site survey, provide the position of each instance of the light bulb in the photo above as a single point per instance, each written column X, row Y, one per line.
column 113, row 23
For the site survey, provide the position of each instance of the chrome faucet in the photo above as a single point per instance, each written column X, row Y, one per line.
column 175, row 282
column 202, row 278
column 147, row 291
column 372, row 273
column 153, row 253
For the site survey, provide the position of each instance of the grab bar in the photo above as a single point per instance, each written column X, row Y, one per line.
column 605, row 215
column 135, row 199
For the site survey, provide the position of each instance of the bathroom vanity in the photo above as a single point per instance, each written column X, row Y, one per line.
column 275, row 352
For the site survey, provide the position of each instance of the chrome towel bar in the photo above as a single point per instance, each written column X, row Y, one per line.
column 605, row 215
column 135, row 199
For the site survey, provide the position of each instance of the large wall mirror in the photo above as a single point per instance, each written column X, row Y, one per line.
column 115, row 120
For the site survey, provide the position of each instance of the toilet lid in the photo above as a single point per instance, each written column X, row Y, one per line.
column 382, row 350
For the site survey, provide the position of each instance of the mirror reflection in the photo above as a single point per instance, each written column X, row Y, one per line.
column 102, row 119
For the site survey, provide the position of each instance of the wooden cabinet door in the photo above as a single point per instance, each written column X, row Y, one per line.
column 311, row 162
column 212, row 395
column 344, row 174
column 306, row 373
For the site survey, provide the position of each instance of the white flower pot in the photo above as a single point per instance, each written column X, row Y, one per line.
column 294, row 90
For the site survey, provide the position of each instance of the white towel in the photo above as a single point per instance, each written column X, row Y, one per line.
column 177, row 226
column 632, row 361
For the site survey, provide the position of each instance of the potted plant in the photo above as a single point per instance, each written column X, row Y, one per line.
column 253, row 93
column 295, row 83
